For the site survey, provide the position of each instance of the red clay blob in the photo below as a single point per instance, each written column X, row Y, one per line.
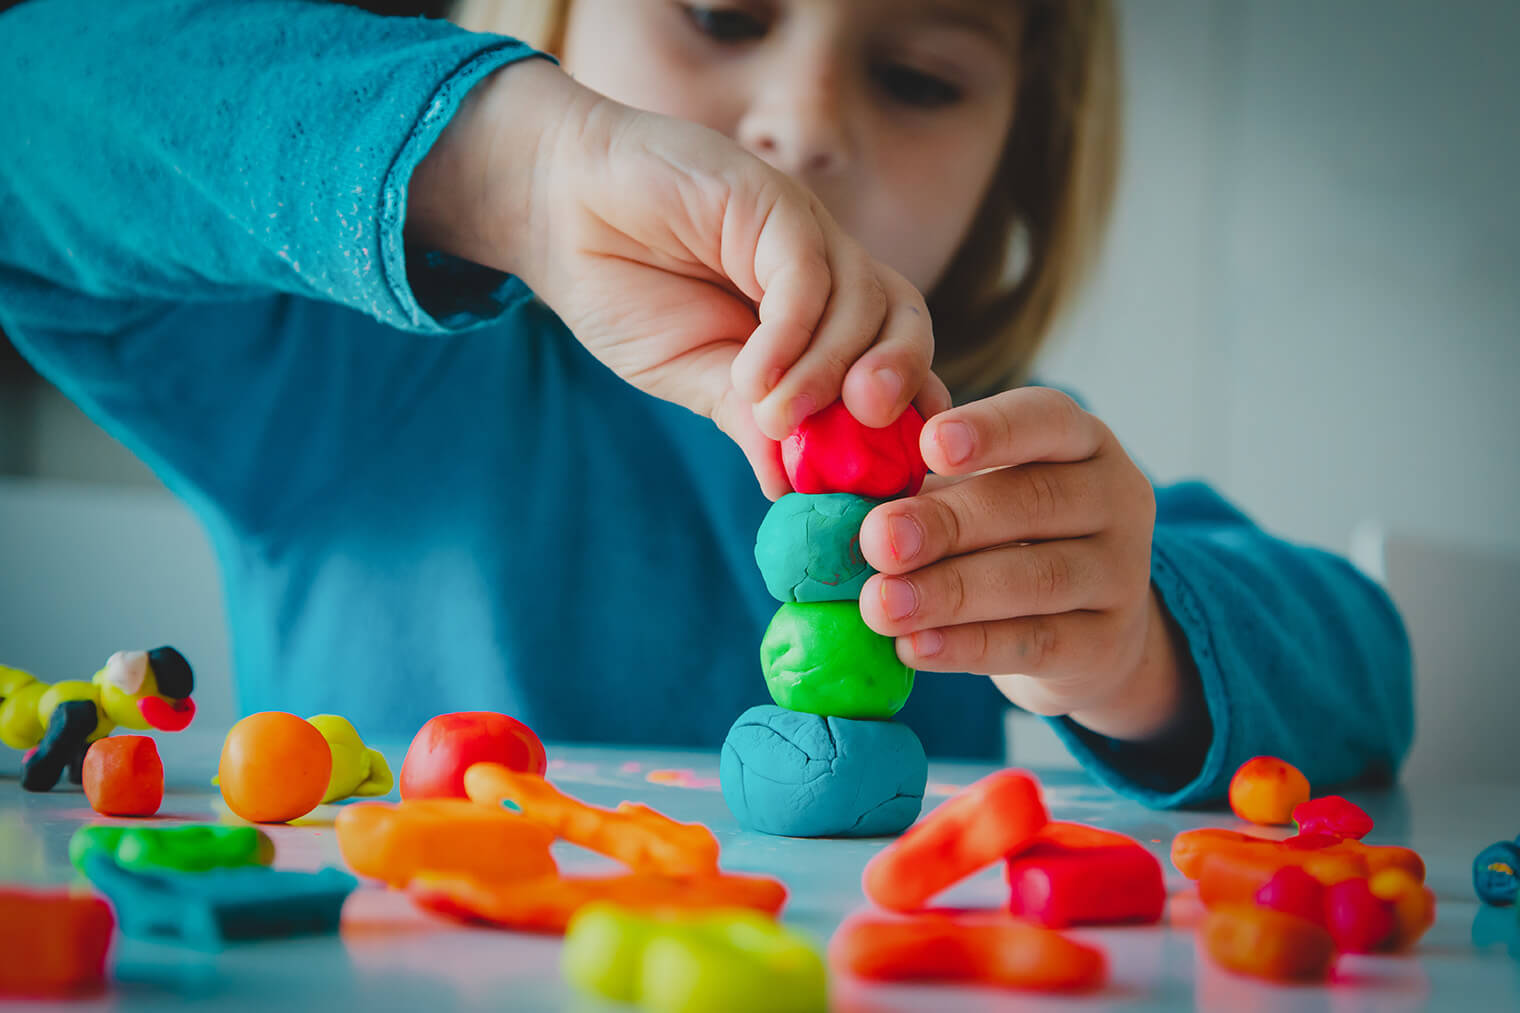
column 448, row 744
column 832, row 452
column 123, row 776
column 1079, row 875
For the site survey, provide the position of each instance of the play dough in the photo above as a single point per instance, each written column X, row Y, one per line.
column 808, row 547
column 832, row 452
column 822, row 658
column 802, row 775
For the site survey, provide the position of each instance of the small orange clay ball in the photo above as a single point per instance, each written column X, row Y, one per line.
column 1265, row 790
column 275, row 767
column 123, row 776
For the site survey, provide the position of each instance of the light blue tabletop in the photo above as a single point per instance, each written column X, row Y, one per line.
column 391, row 956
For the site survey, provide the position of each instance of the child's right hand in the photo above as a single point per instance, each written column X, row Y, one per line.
column 691, row 268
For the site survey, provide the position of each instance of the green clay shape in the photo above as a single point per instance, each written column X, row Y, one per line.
column 196, row 847
column 822, row 658
column 808, row 547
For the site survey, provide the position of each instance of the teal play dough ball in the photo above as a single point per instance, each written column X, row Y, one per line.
column 822, row 658
column 804, row 775
column 808, row 547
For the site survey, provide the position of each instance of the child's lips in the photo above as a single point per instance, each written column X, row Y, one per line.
column 167, row 716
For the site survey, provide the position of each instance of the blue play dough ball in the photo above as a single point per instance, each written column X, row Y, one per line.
column 808, row 547
column 804, row 775
column 1496, row 873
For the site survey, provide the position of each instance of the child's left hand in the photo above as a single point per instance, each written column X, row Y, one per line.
column 1033, row 559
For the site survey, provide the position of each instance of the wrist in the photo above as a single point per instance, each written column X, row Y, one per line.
column 1161, row 699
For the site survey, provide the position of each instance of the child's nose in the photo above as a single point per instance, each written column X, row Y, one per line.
column 800, row 126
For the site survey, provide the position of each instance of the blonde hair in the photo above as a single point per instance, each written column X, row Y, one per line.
column 1041, row 223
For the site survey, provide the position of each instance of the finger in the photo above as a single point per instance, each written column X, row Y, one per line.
column 788, row 275
column 854, row 316
column 1034, row 502
column 1014, row 580
column 1012, row 428
column 893, row 371
column 735, row 417
column 933, row 397
column 1071, row 645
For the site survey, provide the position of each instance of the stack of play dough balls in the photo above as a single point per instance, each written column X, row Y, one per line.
column 828, row 760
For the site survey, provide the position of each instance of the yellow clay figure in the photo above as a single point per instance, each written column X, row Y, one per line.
column 56, row 723
column 356, row 769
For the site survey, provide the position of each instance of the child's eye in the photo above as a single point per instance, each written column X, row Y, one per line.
column 914, row 87
column 725, row 24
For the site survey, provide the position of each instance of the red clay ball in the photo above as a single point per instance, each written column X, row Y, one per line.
column 448, row 744
column 124, row 776
column 832, row 452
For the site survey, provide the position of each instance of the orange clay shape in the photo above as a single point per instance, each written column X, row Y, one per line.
column 275, row 767
column 452, row 836
column 1265, row 790
column 123, row 776
column 1414, row 906
column 1266, row 944
column 1191, row 847
column 546, row 904
column 636, row 835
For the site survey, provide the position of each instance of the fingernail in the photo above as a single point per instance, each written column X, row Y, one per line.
column 905, row 535
column 890, row 381
column 800, row 408
column 955, row 440
column 899, row 598
column 927, row 643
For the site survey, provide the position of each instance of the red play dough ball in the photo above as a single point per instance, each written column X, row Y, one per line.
column 123, row 776
column 446, row 746
column 832, row 452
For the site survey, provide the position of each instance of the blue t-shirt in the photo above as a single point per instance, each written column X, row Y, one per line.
column 424, row 494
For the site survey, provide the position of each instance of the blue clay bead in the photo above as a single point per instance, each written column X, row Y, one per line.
column 802, row 775
column 808, row 547
column 1496, row 873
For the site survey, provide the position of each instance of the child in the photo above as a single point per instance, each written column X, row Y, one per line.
column 288, row 253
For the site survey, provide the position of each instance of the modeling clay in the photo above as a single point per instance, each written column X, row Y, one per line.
column 275, row 767
column 56, row 724
column 1004, row 954
column 188, row 848
column 991, row 818
column 547, row 903
column 1266, row 943
column 832, row 452
column 634, row 834
column 448, row 744
column 1332, row 815
column 123, row 776
column 203, row 910
column 1495, row 873
column 1293, row 891
column 1414, row 906
column 808, row 547
column 1191, row 847
column 1236, row 878
column 1358, row 921
column 394, row 843
column 822, row 658
column 1265, row 790
column 357, row 770
column 1079, row 875
column 712, row 961
column 53, row 943
column 804, row 775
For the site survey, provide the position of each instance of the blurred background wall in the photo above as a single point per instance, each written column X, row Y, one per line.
column 1309, row 299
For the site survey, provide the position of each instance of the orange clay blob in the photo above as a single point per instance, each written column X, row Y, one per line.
column 546, row 904
column 275, row 767
column 1235, row 878
column 965, row 833
column 451, row 836
column 1191, row 847
column 52, row 944
column 1414, row 906
column 1265, row 790
column 1266, row 944
column 636, row 835
column 123, row 776
column 1005, row 954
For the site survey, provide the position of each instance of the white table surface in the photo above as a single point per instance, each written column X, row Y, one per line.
column 388, row 955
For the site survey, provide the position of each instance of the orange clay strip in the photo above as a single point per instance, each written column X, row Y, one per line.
column 393, row 842
column 636, row 835
column 1266, row 944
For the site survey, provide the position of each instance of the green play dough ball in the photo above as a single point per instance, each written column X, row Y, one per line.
column 822, row 658
column 808, row 547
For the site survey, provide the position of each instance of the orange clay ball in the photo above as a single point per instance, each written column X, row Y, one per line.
column 275, row 767
column 1265, row 790
column 123, row 776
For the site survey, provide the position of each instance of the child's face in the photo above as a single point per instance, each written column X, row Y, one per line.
column 894, row 112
